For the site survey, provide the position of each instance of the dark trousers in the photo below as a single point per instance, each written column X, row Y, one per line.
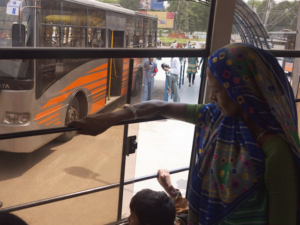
column 189, row 76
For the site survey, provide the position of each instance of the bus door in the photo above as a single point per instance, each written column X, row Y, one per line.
column 118, row 68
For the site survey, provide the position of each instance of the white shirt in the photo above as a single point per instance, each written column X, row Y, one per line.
column 173, row 45
column 174, row 66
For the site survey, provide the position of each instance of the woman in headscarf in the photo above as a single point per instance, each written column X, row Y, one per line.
column 248, row 147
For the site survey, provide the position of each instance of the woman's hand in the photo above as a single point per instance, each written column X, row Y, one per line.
column 94, row 124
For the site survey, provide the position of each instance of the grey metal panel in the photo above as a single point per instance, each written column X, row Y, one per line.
column 115, row 21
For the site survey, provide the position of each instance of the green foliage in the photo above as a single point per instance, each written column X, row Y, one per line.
column 283, row 15
column 109, row 1
column 189, row 16
column 168, row 40
column 160, row 32
column 130, row 4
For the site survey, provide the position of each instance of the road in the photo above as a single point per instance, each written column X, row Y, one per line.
column 60, row 168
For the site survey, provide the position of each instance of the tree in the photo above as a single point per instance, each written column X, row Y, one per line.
column 189, row 16
column 130, row 4
column 282, row 15
column 109, row 1
column 127, row 4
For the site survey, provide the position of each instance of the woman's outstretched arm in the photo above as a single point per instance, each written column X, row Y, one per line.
column 95, row 124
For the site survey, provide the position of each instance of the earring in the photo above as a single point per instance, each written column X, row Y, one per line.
column 213, row 98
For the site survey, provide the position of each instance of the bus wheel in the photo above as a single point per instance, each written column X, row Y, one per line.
column 137, row 86
column 73, row 114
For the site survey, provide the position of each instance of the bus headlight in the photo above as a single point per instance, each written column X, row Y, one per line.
column 16, row 118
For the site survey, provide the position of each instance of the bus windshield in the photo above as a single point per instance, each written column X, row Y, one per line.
column 9, row 16
column 14, row 69
column 18, row 70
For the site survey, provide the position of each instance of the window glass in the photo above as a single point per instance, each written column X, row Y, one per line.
column 50, row 36
column 130, row 28
column 50, row 12
column 129, row 38
column 267, row 24
column 140, row 33
column 96, row 18
column 74, row 37
column 6, row 22
column 130, row 24
column 96, row 38
column 49, row 165
column 73, row 14
column 146, row 32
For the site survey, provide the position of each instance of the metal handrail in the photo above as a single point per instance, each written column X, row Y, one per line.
column 66, row 129
column 84, row 192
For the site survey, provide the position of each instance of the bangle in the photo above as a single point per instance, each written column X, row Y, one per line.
column 130, row 107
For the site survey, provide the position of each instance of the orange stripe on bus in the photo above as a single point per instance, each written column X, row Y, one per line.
column 47, row 112
column 85, row 80
column 52, row 121
column 96, row 84
column 56, row 100
column 104, row 66
column 97, row 95
column 98, row 105
column 58, row 123
column 288, row 67
column 123, row 91
column 49, row 118
column 98, row 90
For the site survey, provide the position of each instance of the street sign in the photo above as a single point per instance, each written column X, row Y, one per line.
column 12, row 7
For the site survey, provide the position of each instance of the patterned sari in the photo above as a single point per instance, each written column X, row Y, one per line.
column 228, row 179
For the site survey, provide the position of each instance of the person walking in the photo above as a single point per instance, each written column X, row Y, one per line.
column 150, row 68
column 174, row 70
column 201, row 61
column 248, row 148
column 192, row 68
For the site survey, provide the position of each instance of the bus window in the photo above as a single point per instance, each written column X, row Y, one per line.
column 153, row 32
column 129, row 38
column 96, row 38
column 130, row 27
column 139, row 33
column 146, row 32
column 74, row 36
column 49, row 36
column 50, row 13
column 96, row 18
column 118, row 37
column 48, row 76
column 73, row 14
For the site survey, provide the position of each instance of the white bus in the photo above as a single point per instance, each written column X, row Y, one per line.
column 47, row 93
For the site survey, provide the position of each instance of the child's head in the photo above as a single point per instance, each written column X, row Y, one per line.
column 151, row 208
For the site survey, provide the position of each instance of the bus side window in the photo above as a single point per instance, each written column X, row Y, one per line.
column 50, row 36
column 96, row 39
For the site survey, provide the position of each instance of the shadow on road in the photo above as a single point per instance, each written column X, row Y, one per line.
column 13, row 165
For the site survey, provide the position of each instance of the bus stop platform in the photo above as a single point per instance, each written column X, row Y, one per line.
column 165, row 144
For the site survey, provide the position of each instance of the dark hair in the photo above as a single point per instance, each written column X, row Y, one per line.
column 153, row 207
column 10, row 219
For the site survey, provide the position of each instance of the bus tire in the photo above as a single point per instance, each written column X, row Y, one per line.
column 137, row 85
column 72, row 114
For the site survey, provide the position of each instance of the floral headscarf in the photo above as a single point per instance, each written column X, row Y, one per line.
column 231, row 165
